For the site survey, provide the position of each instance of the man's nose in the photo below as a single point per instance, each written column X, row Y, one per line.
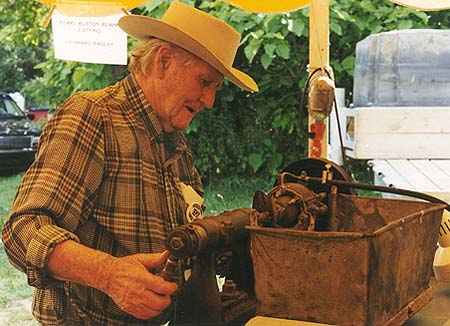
column 208, row 97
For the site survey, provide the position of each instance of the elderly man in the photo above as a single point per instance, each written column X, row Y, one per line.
column 111, row 176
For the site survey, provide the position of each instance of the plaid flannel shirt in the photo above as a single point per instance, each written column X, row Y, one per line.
column 107, row 176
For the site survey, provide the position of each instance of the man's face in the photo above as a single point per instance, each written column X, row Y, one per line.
column 185, row 91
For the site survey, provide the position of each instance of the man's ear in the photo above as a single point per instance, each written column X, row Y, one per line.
column 164, row 58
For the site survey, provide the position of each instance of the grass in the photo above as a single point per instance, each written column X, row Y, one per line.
column 8, row 189
column 232, row 193
column 15, row 293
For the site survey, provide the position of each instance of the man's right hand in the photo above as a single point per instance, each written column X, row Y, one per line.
column 132, row 287
column 126, row 280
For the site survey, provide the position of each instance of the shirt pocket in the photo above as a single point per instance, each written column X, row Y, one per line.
column 127, row 142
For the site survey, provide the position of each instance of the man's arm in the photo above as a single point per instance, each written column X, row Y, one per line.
column 126, row 280
column 58, row 191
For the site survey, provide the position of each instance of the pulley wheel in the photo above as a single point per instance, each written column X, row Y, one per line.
column 313, row 167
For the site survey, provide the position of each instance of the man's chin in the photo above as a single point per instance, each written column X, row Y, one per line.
column 176, row 127
column 182, row 126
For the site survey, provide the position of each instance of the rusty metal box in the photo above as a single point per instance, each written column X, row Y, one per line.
column 374, row 271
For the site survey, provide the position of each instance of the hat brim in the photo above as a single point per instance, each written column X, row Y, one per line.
column 142, row 27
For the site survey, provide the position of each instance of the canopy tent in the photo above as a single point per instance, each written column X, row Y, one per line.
column 424, row 5
column 269, row 6
column 100, row 7
column 318, row 45
column 91, row 8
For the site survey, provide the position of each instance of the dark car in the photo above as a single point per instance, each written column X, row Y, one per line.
column 18, row 139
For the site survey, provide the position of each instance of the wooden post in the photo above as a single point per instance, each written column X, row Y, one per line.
column 318, row 58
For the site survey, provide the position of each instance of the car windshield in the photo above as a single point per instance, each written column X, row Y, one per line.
column 8, row 107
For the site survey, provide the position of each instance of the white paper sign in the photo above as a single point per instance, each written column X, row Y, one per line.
column 89, row 39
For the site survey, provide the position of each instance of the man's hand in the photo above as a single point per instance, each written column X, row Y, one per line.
column 132, row 287
column 126, row 280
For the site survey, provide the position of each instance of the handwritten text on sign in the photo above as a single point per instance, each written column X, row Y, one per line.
column 89, row 39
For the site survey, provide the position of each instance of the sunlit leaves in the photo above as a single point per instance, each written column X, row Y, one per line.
column 255, row 160
column 405, row 24
column 299, row 27
column 336, row 28
column 283, row 50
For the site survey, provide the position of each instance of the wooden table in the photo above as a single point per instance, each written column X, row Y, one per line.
column 431, row 176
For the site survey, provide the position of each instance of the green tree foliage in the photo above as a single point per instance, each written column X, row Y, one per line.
column 245, row 134
column 22, row 44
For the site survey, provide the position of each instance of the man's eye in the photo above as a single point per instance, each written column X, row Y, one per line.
column 206, row 82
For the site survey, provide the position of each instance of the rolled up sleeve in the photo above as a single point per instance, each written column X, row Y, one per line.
column 34, row 238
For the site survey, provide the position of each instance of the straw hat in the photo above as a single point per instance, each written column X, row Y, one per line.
column 207, row 37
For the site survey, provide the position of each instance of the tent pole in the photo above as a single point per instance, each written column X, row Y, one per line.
column 318, row 59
